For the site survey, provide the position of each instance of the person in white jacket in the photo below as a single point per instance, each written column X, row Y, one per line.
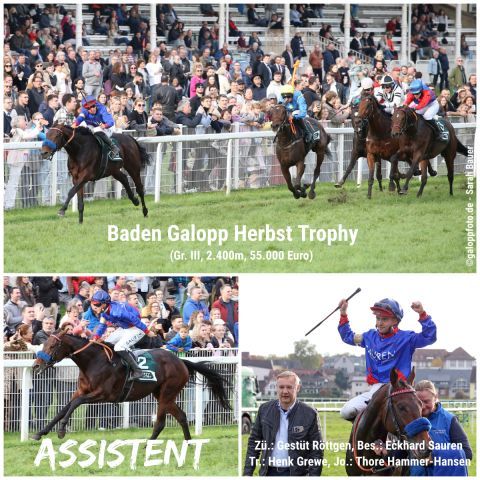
column 16, row 159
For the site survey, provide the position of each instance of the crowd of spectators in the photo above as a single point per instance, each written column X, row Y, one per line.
column 192, row 81
column 205, row 308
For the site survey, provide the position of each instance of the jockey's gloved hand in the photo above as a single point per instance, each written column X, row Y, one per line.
column 95, row 338
column 104, row 125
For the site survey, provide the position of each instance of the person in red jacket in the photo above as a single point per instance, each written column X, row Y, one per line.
column 228, row 307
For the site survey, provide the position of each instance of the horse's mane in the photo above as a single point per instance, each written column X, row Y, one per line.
column 84, row 341
column 79, row 130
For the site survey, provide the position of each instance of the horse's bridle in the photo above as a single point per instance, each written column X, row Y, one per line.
column 49, row 359
column 396, row 423
column 405, row 126
column 58, row 147
column 283, row 124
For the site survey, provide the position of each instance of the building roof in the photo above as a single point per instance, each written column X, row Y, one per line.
column 441, row 375
column 459, row 354
column 422, row 354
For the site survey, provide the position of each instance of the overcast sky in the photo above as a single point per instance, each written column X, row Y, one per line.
column 277, row 310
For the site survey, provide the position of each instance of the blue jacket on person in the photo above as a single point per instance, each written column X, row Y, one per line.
column 441, row 421
column 177, row 342
column 382, row 353
column 101, row 116
column 122, row 315
column 297, row 104
column 191, row 306
column 93, row 320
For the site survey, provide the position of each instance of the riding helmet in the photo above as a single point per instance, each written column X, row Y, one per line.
column 387, row 81
column 366, row 83
column 388, row 308
column 89, row 102
column 287, row 90
column 101, row 296
column 416, row 86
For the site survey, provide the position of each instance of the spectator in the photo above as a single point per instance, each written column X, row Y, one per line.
column 458, row 77
column 434, row 69
column 298, row 49
column 184, row 115
column 49, row 108
column 181, row 342
column 7, row 115
column 310, row 93
column 138, row 118
column 329, row 57
column 161, row 125
column 36, row 94
column 167, row 96
column 12, row 310
column 219, row 338
column 92, row 73
column 195, row 303
column 331, row 85
column 472, row 85
column 228, row 307
column 444, row 64
column 337, row 114
column 442, row 21
column 48, row 288
column 200, row 336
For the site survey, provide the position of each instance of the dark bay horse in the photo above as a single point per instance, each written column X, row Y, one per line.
column 291, row 150
column 104, row 380
column 395, row 409
column 380, row 144
column 417, row 141
column 85, row 162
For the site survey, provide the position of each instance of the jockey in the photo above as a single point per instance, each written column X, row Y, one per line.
column 130, row 328
column 422, row 99
column 386, row 347
column 389, row 95
column 366, row 86
column 296, row 105
column 100, row 121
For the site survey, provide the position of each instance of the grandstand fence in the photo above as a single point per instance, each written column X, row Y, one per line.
column 30, row 402
column 195, row 161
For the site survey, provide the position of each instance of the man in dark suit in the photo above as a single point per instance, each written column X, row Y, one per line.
column 278, row 67
column 329, row 56
column 281, row 422
column 355, row 44
column 288, row 56
column 264, row 70
column 331, row 85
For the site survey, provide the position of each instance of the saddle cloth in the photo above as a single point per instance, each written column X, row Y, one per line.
column 444, row 134
column 107, row 154
column 146, row 363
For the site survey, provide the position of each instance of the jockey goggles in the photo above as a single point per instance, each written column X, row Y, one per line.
column 287, row 95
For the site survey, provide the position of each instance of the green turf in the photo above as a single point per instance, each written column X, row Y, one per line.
column 396, row 233
column 338, row 431
column 218, row 457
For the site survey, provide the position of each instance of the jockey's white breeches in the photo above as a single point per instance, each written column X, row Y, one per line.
column 359, row 403
column 108, row 131
column 429, row 111
column 124, row 338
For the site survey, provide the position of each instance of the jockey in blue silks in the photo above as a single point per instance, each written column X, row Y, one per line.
column 130, row 329
column 296, row 106
column 99, row 120
column 386, row 347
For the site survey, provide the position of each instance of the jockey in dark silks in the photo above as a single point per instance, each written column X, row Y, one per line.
column 297, row 107
column 130, row 329
column 100, row 121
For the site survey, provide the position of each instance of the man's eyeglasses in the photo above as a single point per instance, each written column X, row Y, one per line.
column 38, row 66
column 140, row 104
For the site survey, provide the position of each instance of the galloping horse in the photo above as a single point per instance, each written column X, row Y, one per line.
column 395, row 409
column 380, row 144
column 85, row 162
column 418, row 142
column 103, row 378
column 291, row 150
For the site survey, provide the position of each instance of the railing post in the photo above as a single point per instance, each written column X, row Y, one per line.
column 228, row 178
column 359, row 171
column 118, row 190
column 53, row 176
column 126, row 415
column 198, row 404
column 236, row 158
column 25, row 405
column 75, row 203
column 179, row 176
column 340, row 150
column 158, row 171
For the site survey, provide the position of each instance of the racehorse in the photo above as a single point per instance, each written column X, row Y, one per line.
column 103, row 378
column 395, row 409
column 417, row 141
column 85, row 162
column 291, row 150
column 380, row 144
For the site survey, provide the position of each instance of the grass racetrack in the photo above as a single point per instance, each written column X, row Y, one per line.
column 338, row 431
column 395, row 233
column 218, row 457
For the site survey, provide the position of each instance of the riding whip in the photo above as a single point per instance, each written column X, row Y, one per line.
column 295, row 67
column 331, row 313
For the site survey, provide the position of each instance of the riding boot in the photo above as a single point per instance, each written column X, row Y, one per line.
column 307, row 134
column 434, row 125
column 113, row 147
column 136, row 371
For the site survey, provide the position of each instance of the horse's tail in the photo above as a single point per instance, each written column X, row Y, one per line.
column 145, row 157
column 462, row 149
column 214, row 380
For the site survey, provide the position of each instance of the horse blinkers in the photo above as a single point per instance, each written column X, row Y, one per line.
column 49, row 359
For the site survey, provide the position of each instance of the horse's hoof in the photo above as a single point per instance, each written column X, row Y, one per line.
column 312, row 194
column 61, row 213
column 403, row 192
column 433, row 173
column 36, row 436
column 145, row 212
column 303, row 194
column 61, row 434
column 136, row 202
column 417, row 172
column 296, row 195
column 338, row 185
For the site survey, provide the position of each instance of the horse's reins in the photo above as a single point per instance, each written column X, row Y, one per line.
column 406, row 125
column 108, row 351
column 399, row 433
column 67, row 142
